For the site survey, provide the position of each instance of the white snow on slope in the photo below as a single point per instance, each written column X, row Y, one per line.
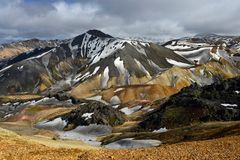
column 105, row 78
column 199, row 56
column 57, row 123
column 118, row 90
column 129, row 111
column 87, row 134
column 141, row 67
column 154, row 65
column 20, row 68
column 87, row 116
column 86, row 75
column 177, row 47
column 179, row 64
column 115, row 106
column 36, row 57
column 139, row 48
column 215, row 56
column 73, row 49
column 229, row 105
column 193, row 51
column 101, row 48
column 46, row 101
column 6, row 68
column 131, row 143
column 119, row 65
column 161, row 130
column 41, row 55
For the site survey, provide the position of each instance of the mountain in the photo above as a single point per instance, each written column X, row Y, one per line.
column 100, row 84
column 118, row 61
column 8, row 50
column 97, row 64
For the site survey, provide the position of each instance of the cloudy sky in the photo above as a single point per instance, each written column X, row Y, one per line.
column 159, row 19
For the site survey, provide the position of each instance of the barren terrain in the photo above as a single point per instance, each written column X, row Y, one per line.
column 15, row 147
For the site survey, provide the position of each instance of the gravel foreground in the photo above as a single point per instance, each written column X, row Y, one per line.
column 14, row 147
column 227, row 148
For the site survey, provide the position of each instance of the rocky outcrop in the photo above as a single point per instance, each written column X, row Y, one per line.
column 93, row 112
column 216, row 102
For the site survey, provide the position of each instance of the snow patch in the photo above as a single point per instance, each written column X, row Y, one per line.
column 229, row 105
column 184, row 53
column 119, row 65
column 115, row 106
column 150, row 110
column 87, row 116
column 154, row 65
column 41, row 55
column 179, row 64
column 57, row 124
column 179, row 47
column 129, row 111
column 119, row 89
column 8, row 115
column 6, row 68
column 20, row 68
column 161, row 130
column 101, row 48
column 72, row 49
column 105, row 78
column 86, row 75
column 131, row 143
column 139, row 48
column 87, row 134
column 142, row 67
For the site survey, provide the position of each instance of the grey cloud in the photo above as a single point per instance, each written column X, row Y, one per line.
column 161, row 19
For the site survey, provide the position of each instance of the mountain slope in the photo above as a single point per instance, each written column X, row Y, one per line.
column 97, row 64
column 92, row 53
column 14, row 49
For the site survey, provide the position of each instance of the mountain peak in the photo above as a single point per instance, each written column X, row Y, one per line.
column 98, row 33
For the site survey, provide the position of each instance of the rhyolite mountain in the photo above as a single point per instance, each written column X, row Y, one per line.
column 95, row 63
column 83, row 57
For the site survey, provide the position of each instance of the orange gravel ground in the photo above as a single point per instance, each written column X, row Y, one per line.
column 227, row 148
